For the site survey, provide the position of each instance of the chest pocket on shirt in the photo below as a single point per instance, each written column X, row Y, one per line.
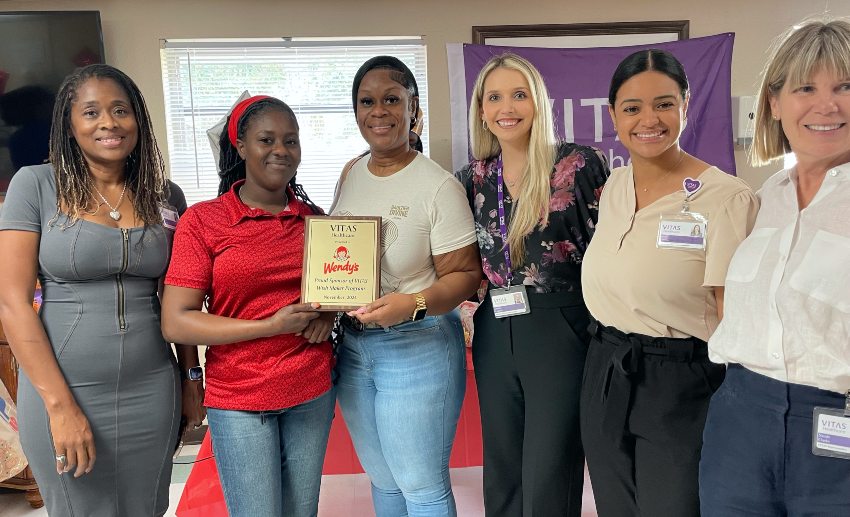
column 746, row 262
column 823, row 273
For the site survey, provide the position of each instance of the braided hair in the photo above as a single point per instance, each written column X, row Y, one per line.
column 144, row 171
column 231, row 166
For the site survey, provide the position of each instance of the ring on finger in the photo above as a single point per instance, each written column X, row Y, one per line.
column 61, row 458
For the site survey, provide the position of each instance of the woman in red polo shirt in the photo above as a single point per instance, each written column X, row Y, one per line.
column 269, row 394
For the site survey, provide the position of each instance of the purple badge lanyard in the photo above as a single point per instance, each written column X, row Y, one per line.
column 503, row 229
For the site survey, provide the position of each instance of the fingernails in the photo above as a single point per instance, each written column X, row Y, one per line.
column 316, row 305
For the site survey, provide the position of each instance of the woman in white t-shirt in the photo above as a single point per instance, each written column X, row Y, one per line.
column 653, row 280
column 401, row 372
column 777, row 438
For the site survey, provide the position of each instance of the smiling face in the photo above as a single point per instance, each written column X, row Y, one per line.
column 271, row 149
column 103, row 123
column 649, row 114
column 507, row 106
column 814, row 117
column 384, row 111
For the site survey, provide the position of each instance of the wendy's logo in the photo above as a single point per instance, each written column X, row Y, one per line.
column 342, row 262
column 341, row 254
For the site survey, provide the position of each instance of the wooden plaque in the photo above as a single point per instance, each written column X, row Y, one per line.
column 342, row 262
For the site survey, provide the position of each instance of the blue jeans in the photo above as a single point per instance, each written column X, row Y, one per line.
column 400, row 390
column 270, row 462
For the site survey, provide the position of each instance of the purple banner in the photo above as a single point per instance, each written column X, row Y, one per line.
column 578, row 81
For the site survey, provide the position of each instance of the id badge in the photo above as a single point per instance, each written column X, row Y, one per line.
column 510, row 301
column 682, row 230
column 169, row 218
column 830, row 433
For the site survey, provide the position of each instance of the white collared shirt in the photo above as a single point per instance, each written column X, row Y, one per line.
column 787, row 301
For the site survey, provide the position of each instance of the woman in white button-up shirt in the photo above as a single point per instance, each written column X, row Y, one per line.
column 785, row 334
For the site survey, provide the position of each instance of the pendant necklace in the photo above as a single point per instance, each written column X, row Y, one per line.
column 681, row 157
column 113, row 210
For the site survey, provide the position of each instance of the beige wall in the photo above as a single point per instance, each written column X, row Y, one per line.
column 133, row 28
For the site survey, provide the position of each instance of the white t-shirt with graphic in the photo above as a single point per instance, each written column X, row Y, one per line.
column 424, row 213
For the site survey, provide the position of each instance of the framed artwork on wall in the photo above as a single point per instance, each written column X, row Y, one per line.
column 581, row 35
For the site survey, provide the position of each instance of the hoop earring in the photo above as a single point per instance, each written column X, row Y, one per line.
column 484, row 125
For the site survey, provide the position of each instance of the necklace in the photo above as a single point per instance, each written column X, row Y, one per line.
column 113, row 210
column 652, row 184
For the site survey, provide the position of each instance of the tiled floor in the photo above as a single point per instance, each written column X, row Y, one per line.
column 341, row 496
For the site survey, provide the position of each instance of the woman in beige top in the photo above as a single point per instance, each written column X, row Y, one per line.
column 653, row 280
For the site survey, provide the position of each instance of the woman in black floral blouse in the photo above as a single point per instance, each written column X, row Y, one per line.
column 530, row 337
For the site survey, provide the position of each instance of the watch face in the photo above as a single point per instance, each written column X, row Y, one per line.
column 420, row 314
column 196, row 373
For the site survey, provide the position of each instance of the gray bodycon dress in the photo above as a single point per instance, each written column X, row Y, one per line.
column 101, row 313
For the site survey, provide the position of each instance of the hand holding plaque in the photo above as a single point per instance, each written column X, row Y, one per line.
column 342, row 262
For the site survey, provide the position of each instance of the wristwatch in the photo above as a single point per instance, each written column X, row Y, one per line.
column 195, row 373
column 421, row 308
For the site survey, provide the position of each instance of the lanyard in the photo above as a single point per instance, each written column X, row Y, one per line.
column 503, row 228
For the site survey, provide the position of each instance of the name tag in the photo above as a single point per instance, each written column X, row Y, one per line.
column 169, row 218
column 512, row 301
column 684, row 230
column 830, row 433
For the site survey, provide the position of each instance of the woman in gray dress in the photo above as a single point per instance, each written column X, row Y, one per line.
column 97, row 379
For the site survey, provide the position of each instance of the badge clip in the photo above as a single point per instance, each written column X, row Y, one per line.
column 691, row 186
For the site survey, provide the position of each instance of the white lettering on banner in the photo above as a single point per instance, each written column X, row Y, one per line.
column 569, row 131
column 613, row 158
column 597, row 103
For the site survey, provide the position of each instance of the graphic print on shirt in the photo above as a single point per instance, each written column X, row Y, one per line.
column 389, row 234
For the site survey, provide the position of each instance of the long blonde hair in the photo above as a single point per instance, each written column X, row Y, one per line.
column 531, row 208
column 796, row 55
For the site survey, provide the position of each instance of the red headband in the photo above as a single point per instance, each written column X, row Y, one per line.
column 236, row 114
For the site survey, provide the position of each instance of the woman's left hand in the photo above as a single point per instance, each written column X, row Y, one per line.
column 388, row 310
column 194, row 411
column 319, row 329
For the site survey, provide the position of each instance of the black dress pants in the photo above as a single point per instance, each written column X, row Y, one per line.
column 528, row 369
column 644, row 402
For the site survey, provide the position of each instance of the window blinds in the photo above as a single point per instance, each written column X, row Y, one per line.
column 202, row 79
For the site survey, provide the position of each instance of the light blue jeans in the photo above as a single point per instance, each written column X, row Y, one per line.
column 400, row 390
column 270, row 462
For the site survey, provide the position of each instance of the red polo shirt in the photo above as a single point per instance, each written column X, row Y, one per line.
column 248, row 261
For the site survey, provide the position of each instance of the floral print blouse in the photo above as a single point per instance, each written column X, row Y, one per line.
column 554, row 253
